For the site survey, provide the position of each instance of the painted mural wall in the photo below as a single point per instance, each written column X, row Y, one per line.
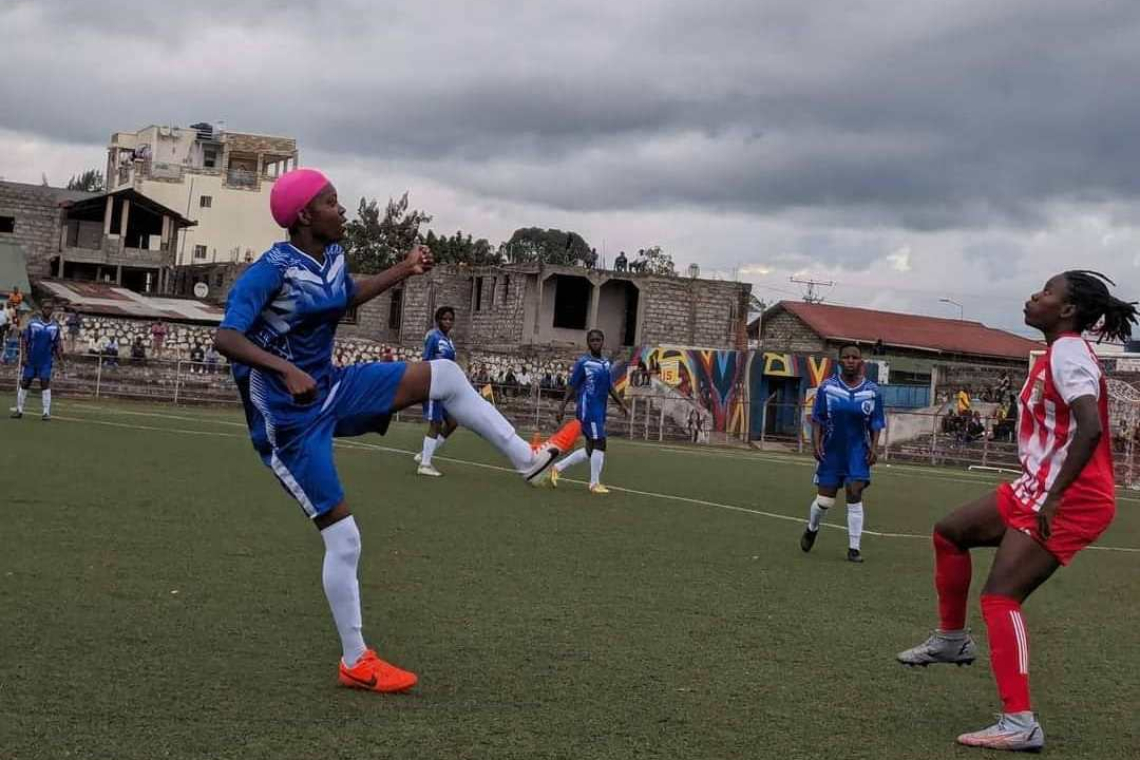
column 730, row 388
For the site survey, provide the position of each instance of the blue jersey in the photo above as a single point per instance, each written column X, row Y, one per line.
column 438, row 346
column 591, row 380
column 848, row 415
column 289, row 304
column 42, row 341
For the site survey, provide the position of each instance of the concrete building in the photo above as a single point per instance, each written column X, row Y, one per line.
column 529, row 307
column 219, row 179
column 121, row 237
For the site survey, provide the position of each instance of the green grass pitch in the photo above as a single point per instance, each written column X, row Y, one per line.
column 160, row 597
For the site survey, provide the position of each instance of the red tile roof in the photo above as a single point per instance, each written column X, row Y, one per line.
column 950, row 336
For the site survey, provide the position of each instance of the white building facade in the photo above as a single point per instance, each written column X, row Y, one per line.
column 219, row 179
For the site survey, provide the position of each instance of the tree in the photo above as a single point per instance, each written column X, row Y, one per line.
column 461, row 249
column 372, row 243
column 658, row 262
column 549, row 246
column 90, row 181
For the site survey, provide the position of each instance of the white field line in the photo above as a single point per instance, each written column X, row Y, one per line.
column 363, row 446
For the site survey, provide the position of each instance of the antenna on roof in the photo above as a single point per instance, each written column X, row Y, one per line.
column 810, row 295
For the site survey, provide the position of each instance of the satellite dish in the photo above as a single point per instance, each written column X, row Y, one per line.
column 201, row 290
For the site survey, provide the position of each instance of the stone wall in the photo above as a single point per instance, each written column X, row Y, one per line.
column 786, row 332
column 37, row 215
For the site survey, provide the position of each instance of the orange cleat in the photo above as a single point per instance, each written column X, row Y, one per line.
column 544, row 456
column 373, row 674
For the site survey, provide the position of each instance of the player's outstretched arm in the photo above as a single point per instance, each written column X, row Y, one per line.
column 417, row 261
column 237, row 348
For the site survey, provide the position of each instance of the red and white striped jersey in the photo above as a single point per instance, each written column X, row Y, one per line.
column 1068, row 370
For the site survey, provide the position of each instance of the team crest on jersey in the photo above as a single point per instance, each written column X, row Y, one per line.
column 868, row 406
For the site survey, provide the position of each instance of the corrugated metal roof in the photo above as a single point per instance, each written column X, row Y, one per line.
column 951, row 336
column 13, row 267
column 108, row 300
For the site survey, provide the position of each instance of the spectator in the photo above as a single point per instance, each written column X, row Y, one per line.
column 621, row 263
column 638, row 264
column 1003, row 387
column 975, row 429
column 111, row 352
column 212, row 359
column 138, row 352
column 74, row 325
column 197, row 359
column 3, row 324
column 963, row 401
column 15, row 298
column 157, row 338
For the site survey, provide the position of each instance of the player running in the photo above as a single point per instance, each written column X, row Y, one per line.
column 1063, row 501
column 281, row 317
column 591, row 384
column 41, row 346
column 846, row 421
column 437, row 345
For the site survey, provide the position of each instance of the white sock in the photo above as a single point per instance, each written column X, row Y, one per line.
column 571, row 459
column 854, row 524
column 45, row 397
column 472, row 411
column 429, row 449
column 439, row 441
column 21, row 396
column 342, row 553
column 819, row 508
column 597, row 459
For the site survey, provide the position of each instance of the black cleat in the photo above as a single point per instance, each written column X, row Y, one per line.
column 17, row 415
column 807, row 540
column 853, row 555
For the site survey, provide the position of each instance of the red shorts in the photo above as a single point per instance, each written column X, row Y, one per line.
column 1075, row 526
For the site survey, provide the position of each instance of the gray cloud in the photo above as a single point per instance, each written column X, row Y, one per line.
column 961, row 115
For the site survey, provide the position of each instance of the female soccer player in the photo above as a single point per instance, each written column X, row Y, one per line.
column 846, row 421
column 41, row 345
column 437, row 345
column 591, row 384
column 1064, row 499
column 278, row 331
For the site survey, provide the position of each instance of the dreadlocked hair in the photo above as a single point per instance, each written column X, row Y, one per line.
column 1099, row 311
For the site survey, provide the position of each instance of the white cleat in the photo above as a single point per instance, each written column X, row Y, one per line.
column 419, row 458
column 1017, row 732
column 429, row 471
column 957, row 649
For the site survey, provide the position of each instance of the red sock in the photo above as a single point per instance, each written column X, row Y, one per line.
column 1009, row 650
column 952, row 569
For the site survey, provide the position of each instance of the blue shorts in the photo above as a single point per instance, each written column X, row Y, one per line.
column 843, row 466
column 42, row 371
column 434, row 411
column 359, row 401
column 593, row 424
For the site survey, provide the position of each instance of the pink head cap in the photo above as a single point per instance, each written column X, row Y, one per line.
column 292, row 192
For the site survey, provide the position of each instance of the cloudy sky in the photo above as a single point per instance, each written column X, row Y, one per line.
column 908, row 151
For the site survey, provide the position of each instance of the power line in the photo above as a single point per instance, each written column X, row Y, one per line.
column 810, row 295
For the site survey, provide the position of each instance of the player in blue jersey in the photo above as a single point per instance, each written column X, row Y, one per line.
column 847, row 418
column 278, row 330
column 41, row 346
column 437, row 345
column 591, row 386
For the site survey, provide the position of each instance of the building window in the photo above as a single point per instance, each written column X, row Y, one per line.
column 210, row 159
column 395, row 309
column 477, row 296
column 7, row 224
column 572, row 302
column 349, row 317
column 219, row 279
column 199, row 252
column 206, row 201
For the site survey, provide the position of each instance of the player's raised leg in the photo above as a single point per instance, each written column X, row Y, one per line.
column 442, row 380
column 975, row 524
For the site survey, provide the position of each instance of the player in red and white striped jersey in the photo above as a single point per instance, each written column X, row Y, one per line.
column 1063, row 501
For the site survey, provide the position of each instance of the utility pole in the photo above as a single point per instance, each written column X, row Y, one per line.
column 810, row 295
